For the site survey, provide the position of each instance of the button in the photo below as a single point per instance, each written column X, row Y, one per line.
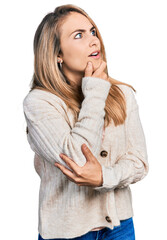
column 108, row 219
column 104, row 153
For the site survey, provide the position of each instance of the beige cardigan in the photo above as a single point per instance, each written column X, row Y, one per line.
column 67, row 210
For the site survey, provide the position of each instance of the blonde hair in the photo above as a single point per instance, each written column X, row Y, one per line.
column 49, row 76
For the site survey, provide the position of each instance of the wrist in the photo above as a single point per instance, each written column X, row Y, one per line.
column 101, row 177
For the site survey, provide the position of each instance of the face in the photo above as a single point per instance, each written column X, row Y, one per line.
column 76, row 46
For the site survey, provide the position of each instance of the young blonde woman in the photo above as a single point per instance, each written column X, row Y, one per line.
column 73, row 102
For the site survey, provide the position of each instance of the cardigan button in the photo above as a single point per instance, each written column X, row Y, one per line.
column 108, row 219
column 104, row 153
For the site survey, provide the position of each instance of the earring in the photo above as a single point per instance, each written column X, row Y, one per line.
column 59, row 60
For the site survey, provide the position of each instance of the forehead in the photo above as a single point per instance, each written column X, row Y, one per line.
column 75, row 21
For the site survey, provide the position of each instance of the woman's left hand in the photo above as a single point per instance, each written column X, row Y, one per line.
column 88, row 175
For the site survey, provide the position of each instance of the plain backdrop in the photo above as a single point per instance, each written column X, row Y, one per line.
column 135, row 38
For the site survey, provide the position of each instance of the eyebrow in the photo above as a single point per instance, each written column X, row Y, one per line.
column 81, row 30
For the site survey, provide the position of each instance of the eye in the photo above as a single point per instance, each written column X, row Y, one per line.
column 94, row 31
column 77, row 34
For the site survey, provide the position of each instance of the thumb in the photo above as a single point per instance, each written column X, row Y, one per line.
column 87, row 153
column 88, row 70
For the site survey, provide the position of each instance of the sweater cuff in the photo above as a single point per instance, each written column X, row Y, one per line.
column 89, row 83
column 109, row 180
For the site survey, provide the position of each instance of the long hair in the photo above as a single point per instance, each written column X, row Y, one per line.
column 48, row 74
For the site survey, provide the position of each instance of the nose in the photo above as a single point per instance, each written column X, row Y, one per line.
column 94, row 41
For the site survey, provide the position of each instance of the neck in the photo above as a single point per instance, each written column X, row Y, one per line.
column 74, row 77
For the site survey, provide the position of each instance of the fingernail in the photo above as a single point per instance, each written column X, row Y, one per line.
column 89, row 63
column 84, row 146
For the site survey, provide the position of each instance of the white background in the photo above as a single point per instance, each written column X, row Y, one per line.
column 135, row 38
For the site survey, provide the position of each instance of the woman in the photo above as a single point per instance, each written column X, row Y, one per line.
column 84, row 193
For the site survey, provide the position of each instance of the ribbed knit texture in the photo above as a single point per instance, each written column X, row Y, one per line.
column 67, row 210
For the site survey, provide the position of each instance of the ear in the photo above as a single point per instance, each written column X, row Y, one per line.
column 59, row 57
column 60, row 54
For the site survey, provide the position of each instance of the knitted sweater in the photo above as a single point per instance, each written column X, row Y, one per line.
column 67, row 210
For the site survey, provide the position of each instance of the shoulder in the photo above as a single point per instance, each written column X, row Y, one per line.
column 130, row 96
column 128, row 91
column 38, row 96
column 39, row 104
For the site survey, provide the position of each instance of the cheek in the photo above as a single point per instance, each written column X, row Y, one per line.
column 76, row 59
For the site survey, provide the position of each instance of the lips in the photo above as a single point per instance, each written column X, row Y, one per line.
column 97, row 51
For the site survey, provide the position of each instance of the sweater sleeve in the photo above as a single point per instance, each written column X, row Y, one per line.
column 132, row 166
column 49, row 132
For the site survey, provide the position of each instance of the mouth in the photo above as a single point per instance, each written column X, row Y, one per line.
column 95, row 54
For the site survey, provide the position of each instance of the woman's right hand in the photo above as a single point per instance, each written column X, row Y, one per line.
column 99, row 72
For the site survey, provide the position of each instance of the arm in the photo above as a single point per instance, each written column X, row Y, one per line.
column 132, row 166
column 49, row 133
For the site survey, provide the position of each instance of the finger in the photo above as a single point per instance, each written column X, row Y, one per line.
column 86, row 151
column 70, row 175
column 65, row 171
column 71, row 179
column 69, row 162
column 104, row 76
column 100, row 69
column 88, row 69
